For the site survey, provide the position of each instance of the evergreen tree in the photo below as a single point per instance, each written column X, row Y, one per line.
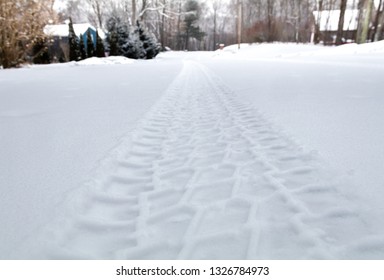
column 90, row 44
column 122, row 32
column 113, row 49
column 74, row 43
column 134, row 43
column 100, row 50
column 121, row 41
column 149, row 42
column 112, row 38
column 191, row 18
column 134, row 47
column 82, row 47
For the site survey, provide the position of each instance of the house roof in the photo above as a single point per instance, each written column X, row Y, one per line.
column 329, row 20
column 61, row 30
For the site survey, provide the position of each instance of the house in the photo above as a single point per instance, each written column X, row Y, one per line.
column 327, row 23
column 59, row 48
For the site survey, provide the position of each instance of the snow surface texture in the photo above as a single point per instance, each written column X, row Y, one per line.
column 205, row 176
column 56, row 123
column 330, row 100
column 105, row 61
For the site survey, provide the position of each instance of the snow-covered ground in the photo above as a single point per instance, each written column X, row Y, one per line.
column 273, row 151
column 56, row 123
column 330, row 100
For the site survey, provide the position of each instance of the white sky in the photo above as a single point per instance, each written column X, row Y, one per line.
column 59, row 4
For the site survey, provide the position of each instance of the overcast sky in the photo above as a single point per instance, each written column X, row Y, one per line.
column 59, row 4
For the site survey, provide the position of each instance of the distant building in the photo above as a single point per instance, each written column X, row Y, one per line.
column 59, row 48
column 327, row 22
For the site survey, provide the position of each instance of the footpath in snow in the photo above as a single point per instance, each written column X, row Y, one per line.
column 205, row 176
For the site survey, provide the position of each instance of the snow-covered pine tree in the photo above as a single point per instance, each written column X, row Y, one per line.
column 82, row 47
column 122, row 32
column 90, row 44
column 113, row 48
column 135, row 47
column 149, row 42
column 74, row 43
column 112, row 38
column 100, row 50
column 128, row 42
column 124, row 40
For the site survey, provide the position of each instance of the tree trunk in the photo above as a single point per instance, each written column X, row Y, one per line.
column 239, row 22
column 162, row 26
column 133, row 19
column 365, row 19
column 377, row 21
column 215, row 7
column 299, row 22
column 270, row 10
column 143, row 11
column 340, row 28
column 316, row 38
column 379, row 32
column 179, row 28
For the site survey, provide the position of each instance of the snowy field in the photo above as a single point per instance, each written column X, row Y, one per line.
column 271, row 152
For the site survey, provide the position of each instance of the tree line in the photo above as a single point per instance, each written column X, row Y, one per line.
column 180, row 24
column 121, row 40
column 203, row 25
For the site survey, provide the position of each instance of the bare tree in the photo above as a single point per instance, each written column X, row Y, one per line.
column 74, row 9
column 364, row 21
column 96, row 13
column 178, row 33
column 377, row 25
column 239, row 23
column 215, row 7
column 340, row 28
column 162, row 18
column 317, row 36
column 133, row 18
column 270, row 19
column 21, row 26
column 168, row 14
column 379, row 32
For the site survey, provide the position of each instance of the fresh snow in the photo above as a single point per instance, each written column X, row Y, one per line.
column 105, row 60
column 273, row 151
column 56, row 123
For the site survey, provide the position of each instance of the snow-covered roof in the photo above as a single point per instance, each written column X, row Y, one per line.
column 329, row 20
column 61, row 30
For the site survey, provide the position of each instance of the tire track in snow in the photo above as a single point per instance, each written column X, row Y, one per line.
column 205, row 176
